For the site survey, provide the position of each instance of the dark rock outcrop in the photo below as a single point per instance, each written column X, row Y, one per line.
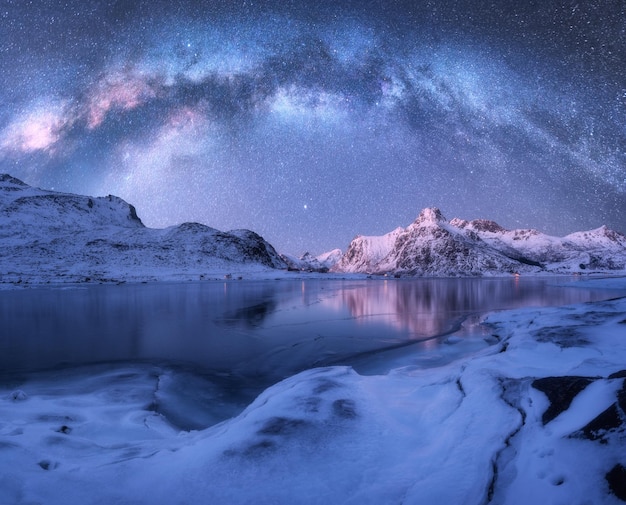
column 560, row 392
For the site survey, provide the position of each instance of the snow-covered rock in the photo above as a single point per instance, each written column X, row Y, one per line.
column 433, row 246
column 50, row 236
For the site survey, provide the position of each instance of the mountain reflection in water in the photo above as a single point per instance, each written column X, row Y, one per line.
column 427, row 307
column 265, row 329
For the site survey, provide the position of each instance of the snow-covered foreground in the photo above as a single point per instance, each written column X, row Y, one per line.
column 480, row 429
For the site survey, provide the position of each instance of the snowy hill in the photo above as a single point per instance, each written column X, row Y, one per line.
column 49, row 236
column 330, row 258
column 433, row 246
column 309, row 263
column 23, row 207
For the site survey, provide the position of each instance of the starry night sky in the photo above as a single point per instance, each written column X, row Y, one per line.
column 312, row 121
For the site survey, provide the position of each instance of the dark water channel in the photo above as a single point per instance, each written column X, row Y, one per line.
column 262, row 329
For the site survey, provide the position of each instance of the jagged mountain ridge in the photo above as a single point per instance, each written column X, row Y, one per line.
column 433, row 246
column 67, row 237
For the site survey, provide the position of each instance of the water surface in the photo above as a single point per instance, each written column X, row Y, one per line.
column 265, row 330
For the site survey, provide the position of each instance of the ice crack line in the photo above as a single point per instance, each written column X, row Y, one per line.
column 510, row 392
column 459, row 384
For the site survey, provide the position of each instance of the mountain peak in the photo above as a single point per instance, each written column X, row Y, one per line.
column 6, row 178
column 430, row 215
column 480, row 225
column 602, row 233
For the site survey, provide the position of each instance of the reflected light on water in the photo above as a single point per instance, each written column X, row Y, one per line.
column 255, row 327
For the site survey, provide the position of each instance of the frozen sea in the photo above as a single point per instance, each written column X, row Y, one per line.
column 314, row 391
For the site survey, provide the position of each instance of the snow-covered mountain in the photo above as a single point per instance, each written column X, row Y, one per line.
column 50, row 236
column 309, row 263
column 600, row 249
column 47, row 235
column 433, row 246
column 330, row 258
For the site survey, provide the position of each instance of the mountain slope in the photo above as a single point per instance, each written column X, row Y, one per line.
column 50, row 236
column 433, row 246
column 365, row 252
column 309, row 263
column 22, row 207
column 329, row 258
